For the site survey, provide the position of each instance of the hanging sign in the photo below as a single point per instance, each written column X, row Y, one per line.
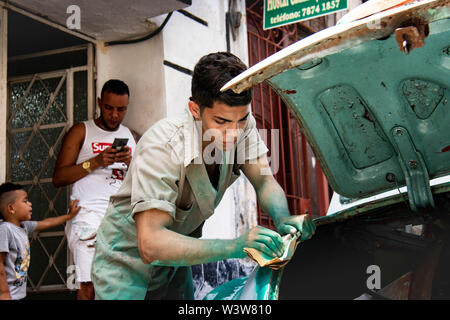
column 281, row 12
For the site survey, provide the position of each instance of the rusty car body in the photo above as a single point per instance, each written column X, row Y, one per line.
column 372, row 95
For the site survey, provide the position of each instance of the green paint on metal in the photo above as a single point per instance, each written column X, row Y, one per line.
column 423, row 96
column 380, row 81
column 414, row 169
column 310, row 65
column 355, row 126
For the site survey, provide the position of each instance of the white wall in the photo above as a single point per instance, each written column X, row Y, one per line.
column 185, row 42
column 239, row 46
column 140, row 66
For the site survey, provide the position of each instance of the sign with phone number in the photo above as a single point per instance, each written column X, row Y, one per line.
column 281, row 12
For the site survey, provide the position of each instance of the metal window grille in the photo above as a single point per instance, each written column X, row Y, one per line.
column 41, row 109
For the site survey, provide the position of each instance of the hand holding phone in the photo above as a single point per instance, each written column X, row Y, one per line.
column 119, row 144
column 123, row 153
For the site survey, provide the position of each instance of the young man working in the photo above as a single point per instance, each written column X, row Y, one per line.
column 149, row 237
column 96, row 169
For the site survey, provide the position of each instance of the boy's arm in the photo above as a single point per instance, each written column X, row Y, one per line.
column 4, row 289
column 272, row 200
column 161, row 246
column 56, row 221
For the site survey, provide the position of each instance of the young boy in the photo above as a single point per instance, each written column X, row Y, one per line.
column 15, row 210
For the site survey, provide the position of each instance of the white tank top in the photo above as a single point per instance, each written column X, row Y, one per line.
column 94, row 190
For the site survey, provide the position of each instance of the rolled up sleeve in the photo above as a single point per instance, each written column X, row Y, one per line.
column 155, row 173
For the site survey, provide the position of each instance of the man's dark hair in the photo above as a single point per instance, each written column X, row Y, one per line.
column 5, row 188
column 115, row 86
column 211, row 73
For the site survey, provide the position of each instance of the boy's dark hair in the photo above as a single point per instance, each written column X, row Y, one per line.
column 4, row 189
column 211, row 73
column 115, row 86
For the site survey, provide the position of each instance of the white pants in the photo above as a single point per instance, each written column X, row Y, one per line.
column 81, row 236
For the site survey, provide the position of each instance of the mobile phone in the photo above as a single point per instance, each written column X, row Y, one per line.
column 119, row 143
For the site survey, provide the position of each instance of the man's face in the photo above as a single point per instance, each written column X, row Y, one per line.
column 224, row 123
column 113, row 108
column 22, row 206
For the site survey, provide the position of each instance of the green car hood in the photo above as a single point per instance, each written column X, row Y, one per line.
column 375, row 112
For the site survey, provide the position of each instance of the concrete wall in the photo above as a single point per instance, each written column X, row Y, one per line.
column 140, row 66
column 186, row 41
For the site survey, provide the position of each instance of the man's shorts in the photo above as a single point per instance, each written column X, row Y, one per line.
column 81, row 236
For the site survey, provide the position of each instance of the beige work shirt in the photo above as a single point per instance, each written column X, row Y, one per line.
column 167, row 173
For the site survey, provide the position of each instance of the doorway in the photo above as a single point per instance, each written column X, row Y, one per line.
column 50, row 86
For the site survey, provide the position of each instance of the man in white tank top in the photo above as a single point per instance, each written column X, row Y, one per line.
column 88, row 161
